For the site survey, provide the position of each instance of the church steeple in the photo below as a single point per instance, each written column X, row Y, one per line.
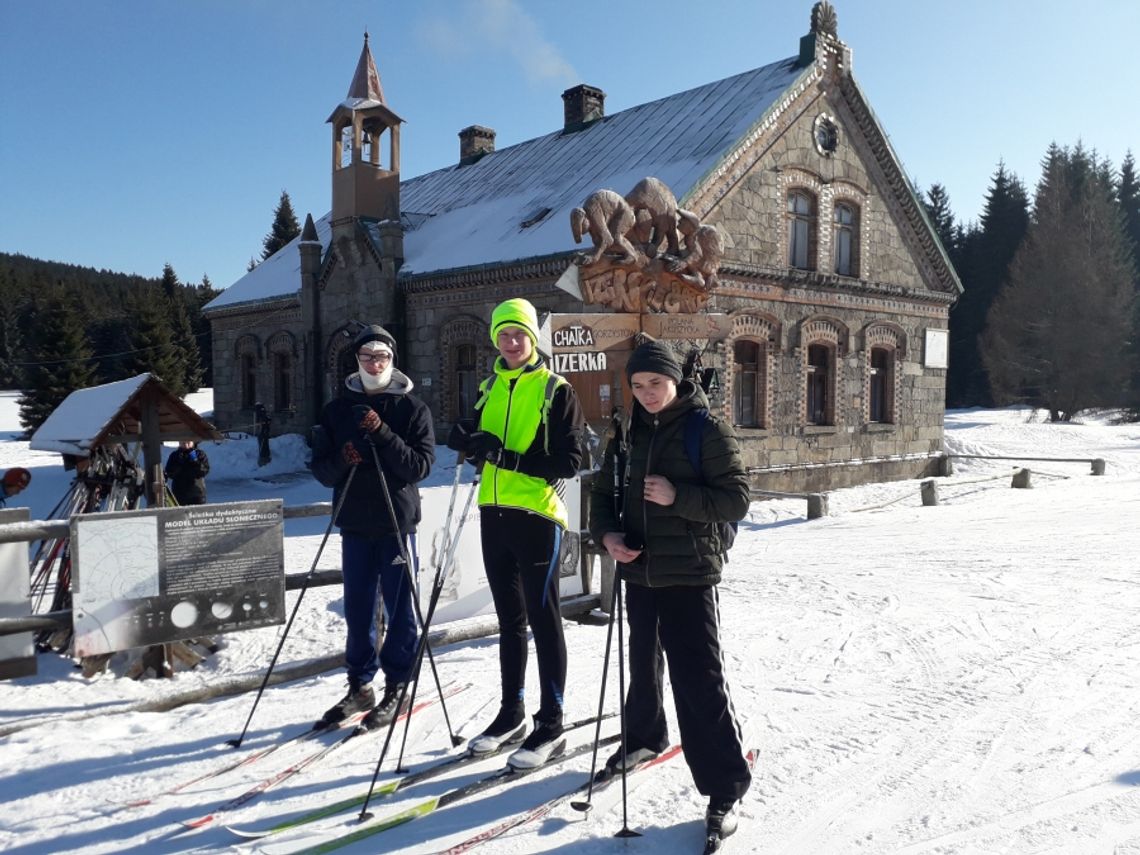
column 366, row 82
column 365, row 185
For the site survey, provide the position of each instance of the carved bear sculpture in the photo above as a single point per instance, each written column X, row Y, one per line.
column 607, row 217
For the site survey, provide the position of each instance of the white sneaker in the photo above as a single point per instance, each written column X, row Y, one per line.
column 544, row 742
column 488, row 743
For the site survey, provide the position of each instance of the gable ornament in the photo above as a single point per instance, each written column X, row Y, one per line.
column 648, row 254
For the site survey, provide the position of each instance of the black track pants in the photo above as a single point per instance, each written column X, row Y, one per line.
column 684, row 623
column 520, row 557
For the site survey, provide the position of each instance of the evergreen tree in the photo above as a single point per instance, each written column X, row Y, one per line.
column 937, row 203
column 285, row 227
column 154, row 348
column 1128, row 192
column 1058, row 336
column 1128, row 195
column 983, row 257
column 60, row 359
column 181, row 330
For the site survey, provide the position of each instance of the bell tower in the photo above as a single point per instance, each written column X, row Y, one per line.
column 364, row 183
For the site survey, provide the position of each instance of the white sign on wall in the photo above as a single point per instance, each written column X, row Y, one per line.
column 937, row 350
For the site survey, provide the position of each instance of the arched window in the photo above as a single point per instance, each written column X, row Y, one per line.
column 881, row 386
column 845, row 239
column 884, row 346
column 819, row 395
column 282, row 381
column 748, row 383
column 466, row 379
column 248, row 380
column 801, row 230
column 247, row 353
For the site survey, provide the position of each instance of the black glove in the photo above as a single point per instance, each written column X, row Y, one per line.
column 459, row 439
column 366, row 418
column 486, row 446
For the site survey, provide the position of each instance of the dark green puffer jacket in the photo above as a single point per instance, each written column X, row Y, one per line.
column 682, row 543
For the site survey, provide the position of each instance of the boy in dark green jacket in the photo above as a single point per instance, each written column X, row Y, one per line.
column 667, row 542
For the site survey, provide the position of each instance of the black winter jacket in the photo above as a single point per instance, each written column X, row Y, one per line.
column 682, row 544
column 186, row 469
column 405, row 446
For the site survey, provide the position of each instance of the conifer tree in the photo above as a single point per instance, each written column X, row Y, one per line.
column 1128, row 192
column 1058, row 336
column 154, row 348
column 181, row 330
column 285, row 227
column 59, row 359
column 937, row 203
column 983, row 257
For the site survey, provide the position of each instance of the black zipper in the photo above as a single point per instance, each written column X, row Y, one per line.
column 506, row 424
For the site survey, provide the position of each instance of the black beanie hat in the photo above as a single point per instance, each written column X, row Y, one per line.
column 654, row 356
column 374, row 333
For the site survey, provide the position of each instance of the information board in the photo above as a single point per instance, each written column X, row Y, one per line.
column 169, row 574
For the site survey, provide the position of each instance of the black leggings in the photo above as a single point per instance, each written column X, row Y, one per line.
column 520, row 557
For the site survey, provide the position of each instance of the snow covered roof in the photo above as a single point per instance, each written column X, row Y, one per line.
column 476, row 213
column 277, row 277
column 87, row 417
column 515, row 203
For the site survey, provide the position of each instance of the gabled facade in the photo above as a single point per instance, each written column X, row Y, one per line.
column 836, row 288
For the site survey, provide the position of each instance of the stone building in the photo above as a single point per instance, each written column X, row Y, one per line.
column 834, row 285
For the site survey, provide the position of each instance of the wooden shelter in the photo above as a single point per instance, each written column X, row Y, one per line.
column 137, row 410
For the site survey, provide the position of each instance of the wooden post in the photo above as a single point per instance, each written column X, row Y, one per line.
column 929, row 492
column 1098, row 466
column 1021, row 480
column 151, row 443
column 945, row 466
column 817, row 505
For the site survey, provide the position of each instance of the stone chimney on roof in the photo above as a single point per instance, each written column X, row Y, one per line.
column 474, row 142
column 581, row 105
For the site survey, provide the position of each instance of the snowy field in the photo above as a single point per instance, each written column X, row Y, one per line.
column 951, row 679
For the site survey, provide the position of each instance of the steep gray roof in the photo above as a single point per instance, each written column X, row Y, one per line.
column 474, row 214
column 462, row 216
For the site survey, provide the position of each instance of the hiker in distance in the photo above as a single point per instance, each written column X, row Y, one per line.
column 376, row 418
column 526, row 432
column 669, row 552
column 186, row 470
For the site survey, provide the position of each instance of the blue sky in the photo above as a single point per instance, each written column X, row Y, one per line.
column 136, row 133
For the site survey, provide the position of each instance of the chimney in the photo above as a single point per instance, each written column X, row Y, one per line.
column 474, row 142
column 581, row 105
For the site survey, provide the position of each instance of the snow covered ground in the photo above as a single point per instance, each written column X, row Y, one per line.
column 951, row 679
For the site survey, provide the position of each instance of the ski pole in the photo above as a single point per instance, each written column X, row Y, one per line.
column 236, row 743
column 437, row 589
column 625, row 831
column 409, row 574
column 441, row 555
column 585, row 806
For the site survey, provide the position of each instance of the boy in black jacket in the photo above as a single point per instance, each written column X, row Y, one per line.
column 376, row 418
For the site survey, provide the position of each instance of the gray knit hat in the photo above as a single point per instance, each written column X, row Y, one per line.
column 654, row 356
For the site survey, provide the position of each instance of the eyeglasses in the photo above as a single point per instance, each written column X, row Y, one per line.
column 374, row 358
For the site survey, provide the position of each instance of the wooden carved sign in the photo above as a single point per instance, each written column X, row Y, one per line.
column 649, row 255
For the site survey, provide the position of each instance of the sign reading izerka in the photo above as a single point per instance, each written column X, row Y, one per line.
column 167, row 574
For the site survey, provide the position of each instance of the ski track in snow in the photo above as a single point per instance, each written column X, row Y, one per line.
column 929, row 681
